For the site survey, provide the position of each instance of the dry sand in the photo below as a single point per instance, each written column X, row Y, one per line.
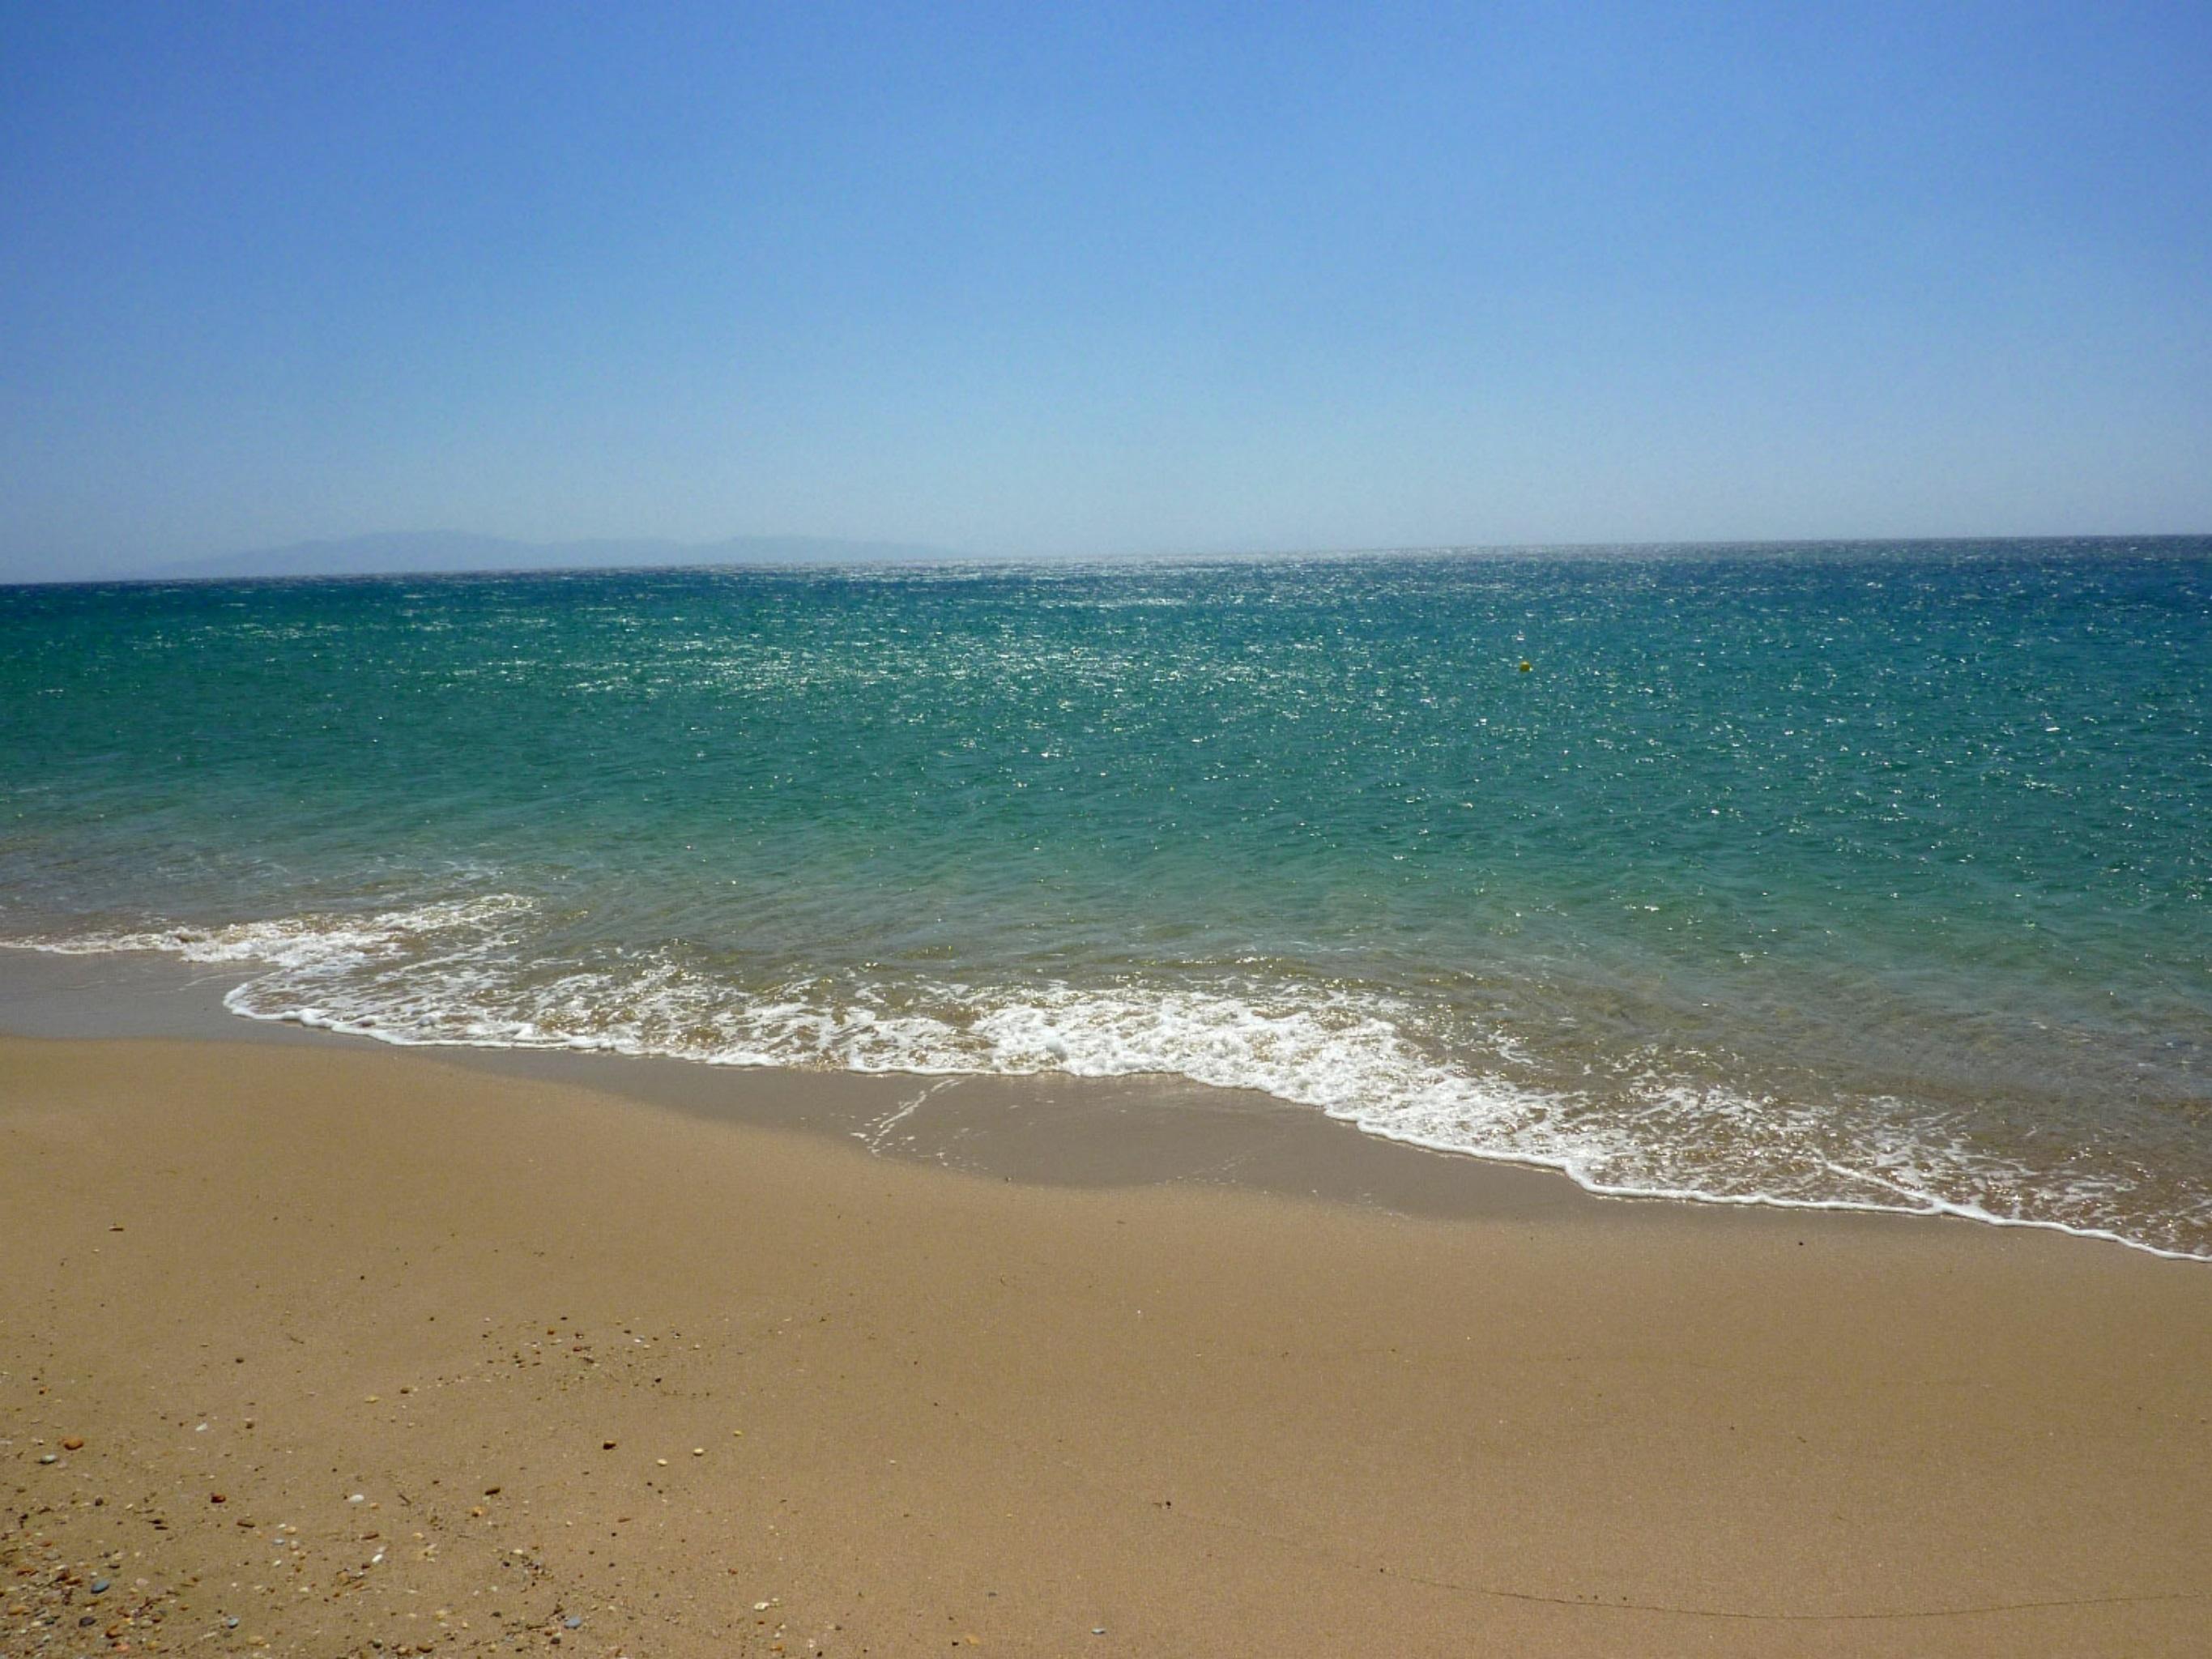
column 370, row 1352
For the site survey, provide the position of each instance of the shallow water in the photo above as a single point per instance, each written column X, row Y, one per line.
column 1851, row 875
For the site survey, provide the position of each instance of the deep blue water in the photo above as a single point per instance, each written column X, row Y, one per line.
column 1864, row 875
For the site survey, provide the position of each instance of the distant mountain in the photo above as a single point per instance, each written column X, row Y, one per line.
column 425, row 551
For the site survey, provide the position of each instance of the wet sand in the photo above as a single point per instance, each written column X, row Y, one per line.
column 412, row 1302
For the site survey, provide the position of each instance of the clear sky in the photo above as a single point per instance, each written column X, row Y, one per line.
column 1042, row 279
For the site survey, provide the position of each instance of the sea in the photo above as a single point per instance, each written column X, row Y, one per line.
column 1860, row 876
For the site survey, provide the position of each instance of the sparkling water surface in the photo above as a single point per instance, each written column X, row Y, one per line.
column 1851, row 875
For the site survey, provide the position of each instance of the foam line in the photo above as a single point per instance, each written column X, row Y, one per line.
column 459, row 972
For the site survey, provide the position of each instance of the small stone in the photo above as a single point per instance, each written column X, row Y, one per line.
column 74, row 1442
column 574, row 1622
column 698, row 1451
column 491, row 1492
column 99, row 1586
column 606, row 1445
column 48, row 1457
column 231, row 1623
column 662, row 1461
column 218, row 1498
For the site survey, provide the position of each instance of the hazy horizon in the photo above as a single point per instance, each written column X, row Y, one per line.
column 428, row 553
column 1078, row 285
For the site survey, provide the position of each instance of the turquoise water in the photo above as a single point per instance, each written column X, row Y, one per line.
column 1851, row 875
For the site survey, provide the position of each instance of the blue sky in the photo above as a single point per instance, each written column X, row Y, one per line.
column 1038, row 280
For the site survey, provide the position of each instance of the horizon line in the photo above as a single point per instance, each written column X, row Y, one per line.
column 923, row 555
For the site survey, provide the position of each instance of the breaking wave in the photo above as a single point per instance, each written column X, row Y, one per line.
column 475, row 971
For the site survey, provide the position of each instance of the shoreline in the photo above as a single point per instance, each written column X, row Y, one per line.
column 932, row 1404
column 1050, row 1129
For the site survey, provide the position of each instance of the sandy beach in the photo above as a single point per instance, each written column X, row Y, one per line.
column 1308, row 832
column 326, row 1349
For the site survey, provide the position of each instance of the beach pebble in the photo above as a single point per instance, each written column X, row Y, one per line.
column 74, row 1442
column 574, row 1622
column 231, row 1623
column 48, row 1457
column 99, row 1586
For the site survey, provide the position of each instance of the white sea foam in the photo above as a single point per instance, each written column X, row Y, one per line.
column 459, row 972
column 295, row 942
